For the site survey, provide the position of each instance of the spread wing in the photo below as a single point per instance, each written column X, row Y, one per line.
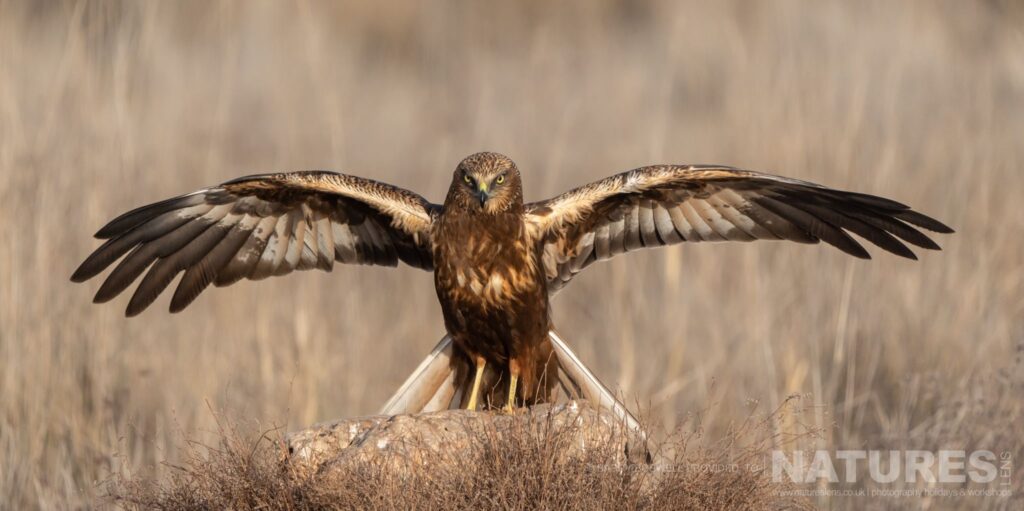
column 257, row 226
column 668, row 204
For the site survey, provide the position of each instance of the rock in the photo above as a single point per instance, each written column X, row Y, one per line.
column 405, row 442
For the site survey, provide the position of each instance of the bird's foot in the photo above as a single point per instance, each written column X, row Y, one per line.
column 509, row 409
column 480, row 363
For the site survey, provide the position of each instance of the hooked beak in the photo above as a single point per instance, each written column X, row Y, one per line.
column 482, row 193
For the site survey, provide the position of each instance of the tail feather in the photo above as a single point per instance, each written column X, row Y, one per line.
column 433, row 386
column 592, row 388
column 423, row 391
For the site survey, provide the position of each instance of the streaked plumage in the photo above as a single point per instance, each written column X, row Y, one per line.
column 255, row 227
column 496, row 260
column 668, row 204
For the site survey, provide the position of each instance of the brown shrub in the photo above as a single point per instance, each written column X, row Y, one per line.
column 528, row 470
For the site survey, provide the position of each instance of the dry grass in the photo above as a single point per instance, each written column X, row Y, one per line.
column 108, row 105
column 528, row 470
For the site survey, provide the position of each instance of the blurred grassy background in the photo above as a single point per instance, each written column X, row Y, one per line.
column 105, row 106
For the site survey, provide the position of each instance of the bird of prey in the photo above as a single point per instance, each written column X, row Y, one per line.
column 496, row 260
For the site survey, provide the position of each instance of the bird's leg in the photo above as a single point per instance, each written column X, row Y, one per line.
column 481, row 362
column 513, row 368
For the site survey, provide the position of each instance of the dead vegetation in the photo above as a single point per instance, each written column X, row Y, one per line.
column 108, row 105
column 529, row 468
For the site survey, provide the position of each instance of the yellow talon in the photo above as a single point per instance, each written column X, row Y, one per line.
column 481, row 362
column 511, row 406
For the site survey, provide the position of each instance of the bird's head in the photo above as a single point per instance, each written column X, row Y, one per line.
column 488, row 182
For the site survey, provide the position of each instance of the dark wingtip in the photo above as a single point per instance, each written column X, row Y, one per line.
column 107, row 231
column 876, row 201
column 97, row 261
column 924, row 221
column 937, row 226
column 134, row 309
column 184, row 295
column 81, row 274
column 92, row 266
column 140, row 300
column 122, row 223
column 897, row 248
column 105, row 294
column 140, row 215
column 930, row 245
column 848, row 245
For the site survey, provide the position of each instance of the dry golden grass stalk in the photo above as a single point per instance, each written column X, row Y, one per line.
column 549, row 457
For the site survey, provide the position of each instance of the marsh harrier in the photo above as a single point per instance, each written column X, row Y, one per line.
column 496, row 260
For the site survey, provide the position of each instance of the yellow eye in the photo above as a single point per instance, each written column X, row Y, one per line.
column 501, row 179
column 465, row 177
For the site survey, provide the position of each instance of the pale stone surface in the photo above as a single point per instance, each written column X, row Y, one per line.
column 406, row 440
